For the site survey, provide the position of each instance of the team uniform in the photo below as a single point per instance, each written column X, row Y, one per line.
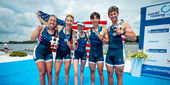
column 114, row 55
column 42, row 51
column 80, row 52
column 96, row 47
column 63, row 50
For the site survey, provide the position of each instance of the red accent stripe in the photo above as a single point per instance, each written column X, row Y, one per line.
column 39, row 37
column 89, row 22
column 87, row 45
column 52, row 45
column 87, row 50
column 71, row 48
column 87, row 56
column 53, row 50
column 123, row 39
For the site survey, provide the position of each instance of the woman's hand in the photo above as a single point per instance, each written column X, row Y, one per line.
column 100, row 36
column 36, row 33
column 74, row 37
column 56, row 46
column 69, row 44
column 38, row 14
column 119, row 31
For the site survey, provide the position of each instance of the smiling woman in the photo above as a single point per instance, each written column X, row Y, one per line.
column 42, row 53
column 64, row 48
column 115, row 58
column 96, row 35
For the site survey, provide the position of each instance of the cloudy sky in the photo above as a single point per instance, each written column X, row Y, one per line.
column 18, row 17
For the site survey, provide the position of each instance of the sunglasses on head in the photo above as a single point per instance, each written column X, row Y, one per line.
column 113, row 7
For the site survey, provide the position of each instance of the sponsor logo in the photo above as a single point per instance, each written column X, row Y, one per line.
column 165, row 8
column 157, row 50
column 152, row 60
column 163, row 30
column 156, row 14
column 153, row 41
column 160, row 70
column 163, row 12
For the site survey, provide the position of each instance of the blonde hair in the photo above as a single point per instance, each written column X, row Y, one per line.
column 69, row 15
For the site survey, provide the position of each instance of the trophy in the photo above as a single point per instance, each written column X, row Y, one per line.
column 77, row 36
column 118, row 25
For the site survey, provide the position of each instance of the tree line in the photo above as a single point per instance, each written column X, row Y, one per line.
column 137, row 39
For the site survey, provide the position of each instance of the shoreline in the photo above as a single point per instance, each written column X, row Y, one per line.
column 4, row 57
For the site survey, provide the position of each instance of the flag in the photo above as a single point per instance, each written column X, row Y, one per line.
column 45, row 17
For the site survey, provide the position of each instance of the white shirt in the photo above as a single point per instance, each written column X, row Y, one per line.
column 5, row 45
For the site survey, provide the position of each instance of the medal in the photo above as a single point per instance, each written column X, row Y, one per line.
column 101, row 33
column 115, row 34
column 65, row 40
column 96, row 33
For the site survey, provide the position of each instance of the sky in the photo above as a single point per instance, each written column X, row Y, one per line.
column 18, row 17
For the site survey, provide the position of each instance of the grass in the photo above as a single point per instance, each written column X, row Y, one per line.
column 18, row 53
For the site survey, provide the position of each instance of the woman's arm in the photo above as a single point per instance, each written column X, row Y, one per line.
column 45, row 17
column 105, row 36
column 41, row 20
column 59, row 27
column 129, row 33
column 74, row 40
column 36, row 33
column 88, row 35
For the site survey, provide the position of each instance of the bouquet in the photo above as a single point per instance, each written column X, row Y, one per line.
column 138, row 55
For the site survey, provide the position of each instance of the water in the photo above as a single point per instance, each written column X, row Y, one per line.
column 30, row 47
column 131, row 48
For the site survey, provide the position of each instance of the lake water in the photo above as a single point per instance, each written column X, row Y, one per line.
column 20, row 47
column 26, row 47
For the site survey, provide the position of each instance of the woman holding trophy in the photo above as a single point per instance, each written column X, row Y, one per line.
column 114, row 58
column 79, row 41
